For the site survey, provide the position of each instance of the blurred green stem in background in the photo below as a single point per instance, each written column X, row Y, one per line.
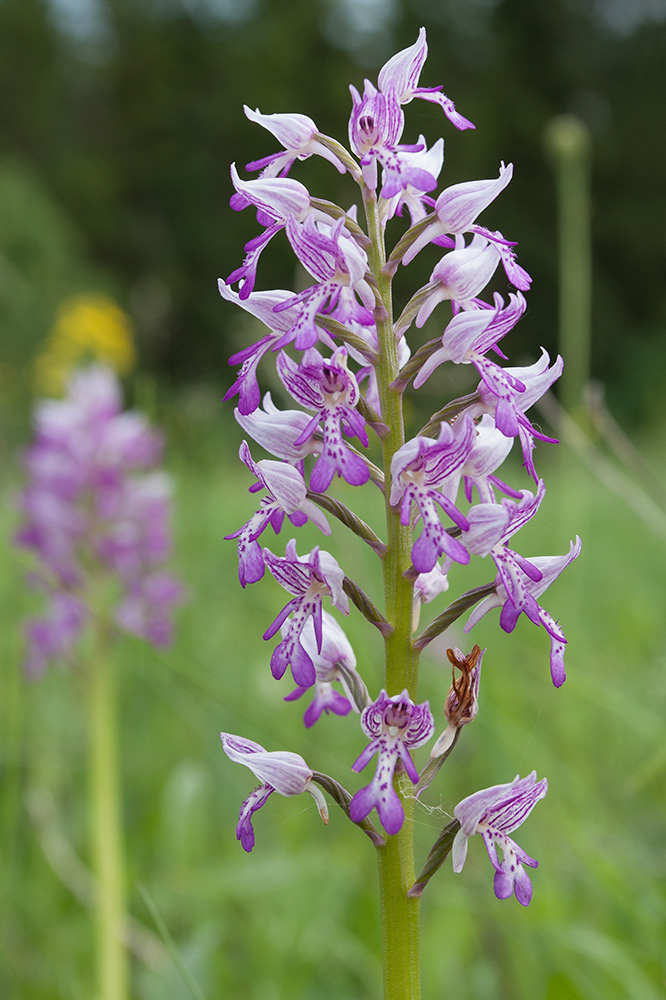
column 569, row 146
column 107, row 850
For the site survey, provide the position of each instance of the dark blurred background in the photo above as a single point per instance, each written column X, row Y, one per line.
column 119, row 118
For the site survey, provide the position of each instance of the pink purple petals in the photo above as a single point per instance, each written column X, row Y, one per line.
column 329, row 661
column 96, row 503
column 494, row 813
column 329, row 388
column 286, row 494
column 394, row 726
column 418, row 470
column 401, row 74
column 549, row 568
column 278, row 771
column 309, row 579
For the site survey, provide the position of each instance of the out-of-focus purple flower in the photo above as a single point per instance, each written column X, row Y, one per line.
column 95, row 507
column 278, row 771
column 52, row 636
column 335, row 653
column 548, row 569
column 309, row 579
column 394, row 726
column 495, row 813
column 286, row 494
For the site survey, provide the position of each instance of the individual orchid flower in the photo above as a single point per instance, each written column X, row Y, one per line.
column 276, row 200
column 394, row 726
column 495, row 813
column 375, row 127
column 278, row 771
column 332, row 663
column 457, row 207
column 462, row 702
column 549, row 568
column 490, row 526
column 470, row 335
column 418, row 469
column 300, row 137
column 328, row 387
column 286, row 494
column 459, row 277
column 509, row 404
column 401, row 74
column 309, row 579
column 335, row 260
column 261, row 305
column 415, row 198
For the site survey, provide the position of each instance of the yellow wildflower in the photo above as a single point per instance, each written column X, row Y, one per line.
column 90, row 326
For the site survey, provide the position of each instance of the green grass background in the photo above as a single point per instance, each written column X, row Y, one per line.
column 298, row 918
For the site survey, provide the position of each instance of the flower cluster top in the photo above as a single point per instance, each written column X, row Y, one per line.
column 344, row 361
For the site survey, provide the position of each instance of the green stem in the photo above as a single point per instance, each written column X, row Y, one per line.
column 108, row 859
column 399, row 914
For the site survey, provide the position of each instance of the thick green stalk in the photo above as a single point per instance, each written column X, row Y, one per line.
column 108, row 859
column 399, row 914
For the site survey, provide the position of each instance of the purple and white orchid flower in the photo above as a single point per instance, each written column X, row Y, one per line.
column 418, row 470
column 401, row 74
column 278, row 771
column 457, row 207
column 335, row 652
column 300, row 137
column 495, row 813
column 287, row 494
column 548, row 569
column 309, row 579
column 328, row 387
column 508, row 400
column 394, row 726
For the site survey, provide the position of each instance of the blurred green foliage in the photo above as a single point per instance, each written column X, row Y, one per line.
column 127, row 115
